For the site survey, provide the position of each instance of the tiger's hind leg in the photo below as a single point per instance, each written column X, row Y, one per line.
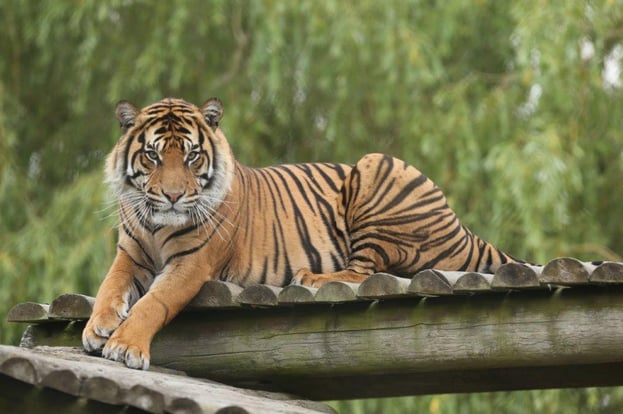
column 375, row 236
column 394, row 219
column 306, row 278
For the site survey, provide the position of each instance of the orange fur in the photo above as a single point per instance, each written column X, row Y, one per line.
column 189, row 213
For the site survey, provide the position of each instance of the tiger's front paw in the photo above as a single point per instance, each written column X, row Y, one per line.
column 103, row 322
column 126, row 347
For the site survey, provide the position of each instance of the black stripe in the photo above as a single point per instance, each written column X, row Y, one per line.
column 139, row 244
column 299, row 185
column 181, row 232
column 385, row 160
column 378, row 249
column 327, row 180
column 441, row 256
column 151, row 271
column 194, row 249
column 470, row 254
column 126, row 153
column 268, row 175
column 313, row 256
column 264, row 272
column 406, row 191
column 139, row 287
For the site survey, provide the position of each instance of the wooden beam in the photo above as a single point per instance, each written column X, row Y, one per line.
column 337, row 292
column 567, row 271
column 71, row 306
column 29, row 312
column 566, row 337
column 296, row 294
column 216, row 294
column 69, row 376
column 259, row 296
column 516, row 276
column 381, row 286
column 21, row 397
column 608, row 273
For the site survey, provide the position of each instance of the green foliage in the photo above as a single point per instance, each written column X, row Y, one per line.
column 588, row 401
column 506, row 106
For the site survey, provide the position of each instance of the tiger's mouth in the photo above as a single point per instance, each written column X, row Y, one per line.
column 171, row 216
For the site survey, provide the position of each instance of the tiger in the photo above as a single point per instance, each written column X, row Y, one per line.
column 189, row 212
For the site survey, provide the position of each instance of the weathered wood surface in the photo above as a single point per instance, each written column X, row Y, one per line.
column 608, row 273
column 216, row 294
column 29, row 312
column 381, row 286
column 436, row 333
column 71, row 306
column 71, row 372
column 562, row 337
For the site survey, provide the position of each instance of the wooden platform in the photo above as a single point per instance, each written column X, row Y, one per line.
column 525, row 327
column 66, row 380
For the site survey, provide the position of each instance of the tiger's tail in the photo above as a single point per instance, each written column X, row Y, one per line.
column 490, row 257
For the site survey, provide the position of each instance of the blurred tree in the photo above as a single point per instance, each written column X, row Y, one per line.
column 514, row 109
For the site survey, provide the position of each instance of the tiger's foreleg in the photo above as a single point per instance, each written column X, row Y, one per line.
column 169, row 293
column 115, row 297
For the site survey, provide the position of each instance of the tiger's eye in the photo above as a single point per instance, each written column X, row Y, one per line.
column 152, row 155
column 192, row 156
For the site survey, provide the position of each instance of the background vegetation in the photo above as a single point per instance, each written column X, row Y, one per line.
column 513, row 108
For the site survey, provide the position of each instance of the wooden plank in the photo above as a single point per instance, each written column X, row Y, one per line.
column 28, row 312
column 186, row 405
column 608, row 273
column 467, row 282
column 473, row 282
column 216, row 294
column 71, row 306
column 337, row 292
column 259, row 296
column 293, row 294
column 63, row 380
column 112, row 383
column 512, row 276
column 566, row 271
column 404, row 347
column 20, row 397
column 146, row 399
column 102, row 389
column 384, row 286
column 19, row 368
column 430, row 283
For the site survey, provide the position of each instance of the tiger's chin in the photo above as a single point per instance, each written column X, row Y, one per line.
column 170, row 218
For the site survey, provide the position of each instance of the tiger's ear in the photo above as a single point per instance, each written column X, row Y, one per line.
column 126, row 113
column 212, row 111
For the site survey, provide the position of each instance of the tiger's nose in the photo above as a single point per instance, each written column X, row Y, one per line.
column 173, row 196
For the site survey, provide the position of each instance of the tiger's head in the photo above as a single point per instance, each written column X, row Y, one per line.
column 172, row 165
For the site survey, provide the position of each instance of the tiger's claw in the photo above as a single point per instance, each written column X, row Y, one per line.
column 102, row 324
column 131, row 353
